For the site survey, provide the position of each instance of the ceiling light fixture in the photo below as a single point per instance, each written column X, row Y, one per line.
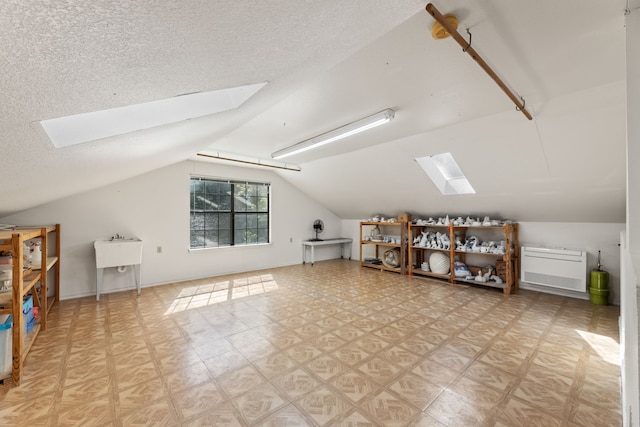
column 216, row 155
column 85, row 127
column 342, row 132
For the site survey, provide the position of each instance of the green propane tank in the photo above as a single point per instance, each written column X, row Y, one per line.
column 599, row 290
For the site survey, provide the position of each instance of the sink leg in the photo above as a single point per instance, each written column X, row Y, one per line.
column 99, row 274
column 136, row 269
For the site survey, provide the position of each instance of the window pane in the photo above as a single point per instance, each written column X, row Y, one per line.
column 252, row 220
column 263, row 220
column 263, row 204
column 240, row 237
column 224, row 237
column 211, row 238
column 252, row 237
column 211, row 221
column 197, row 186
column 225, row 202
column 199, row 204
column 252, row 190
column 197, row 239
column 263, row 190
column 211, row 187
column 224, row 188
column 263, row 235
column 197, row 221
column 241, row 221
column 225, row 221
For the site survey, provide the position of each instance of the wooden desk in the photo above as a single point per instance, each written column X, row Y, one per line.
column 313, row 243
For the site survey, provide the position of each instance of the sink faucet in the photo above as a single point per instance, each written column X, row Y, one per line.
column 117, row 237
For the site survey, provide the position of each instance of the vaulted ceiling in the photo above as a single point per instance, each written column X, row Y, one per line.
column 328, row 63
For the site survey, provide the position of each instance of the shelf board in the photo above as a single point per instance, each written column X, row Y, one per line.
column 430, row 274
column 429, row 249
column 381, row 267
column 51, row 261
column 477, row 253
column 394, row 245
column 382, row 224
column 490, row 284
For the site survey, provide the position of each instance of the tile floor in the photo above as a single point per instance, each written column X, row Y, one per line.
column 333, row 344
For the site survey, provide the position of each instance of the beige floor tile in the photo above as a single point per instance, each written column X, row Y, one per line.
column 187, row 376
column 140, row 395
column 96, row 412
column 159, row 413
column 355, row 385
column 453, row 410
column 288, row 416
column 224, row 363
column 354, row 419
column 259, row 403
column 388, row 410
column 476, row 393
column 489, row 375
column 519, row 414
column 295, row 383
column 335, row 344
column 550, row 400
column 240, row 381
column 435, row 373
column 379, row 369
column 416, row 390
column 196, row 400
column 326, row 367
column 323, row 405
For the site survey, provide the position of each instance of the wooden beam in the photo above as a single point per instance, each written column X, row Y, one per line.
column 431, row 9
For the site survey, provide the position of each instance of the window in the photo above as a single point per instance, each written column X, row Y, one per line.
column 228, row 213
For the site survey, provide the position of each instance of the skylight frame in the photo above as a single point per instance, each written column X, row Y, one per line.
column 446, row 175
column 85, row 127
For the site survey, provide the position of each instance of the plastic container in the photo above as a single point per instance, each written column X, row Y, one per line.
column 27, row 310
column 599, row 279
column 599, row 296
column 6, row 355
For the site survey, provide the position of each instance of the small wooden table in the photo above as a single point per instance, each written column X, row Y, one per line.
column 313, row 243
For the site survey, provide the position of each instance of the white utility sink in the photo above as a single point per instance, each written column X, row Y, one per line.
column 117, row 253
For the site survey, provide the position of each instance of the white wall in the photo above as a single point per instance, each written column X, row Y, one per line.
column 630, row 328
column 155, row 207
column 591, row 237
column 586, row 236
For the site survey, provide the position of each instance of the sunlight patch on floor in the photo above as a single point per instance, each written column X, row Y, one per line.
column 218, row 292
column 606, row 347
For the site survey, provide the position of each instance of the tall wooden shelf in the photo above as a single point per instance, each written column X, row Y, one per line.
column 507, row 232
column 33, row 281
column 377, row 248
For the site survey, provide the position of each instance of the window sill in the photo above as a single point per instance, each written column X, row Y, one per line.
column 257, row 245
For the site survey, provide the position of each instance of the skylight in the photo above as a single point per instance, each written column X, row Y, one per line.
column 445, row 174
column 85, row 127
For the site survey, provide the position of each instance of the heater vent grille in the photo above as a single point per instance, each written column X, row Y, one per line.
column 556, row 268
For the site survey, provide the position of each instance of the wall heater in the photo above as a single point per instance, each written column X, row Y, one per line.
column 557, row 268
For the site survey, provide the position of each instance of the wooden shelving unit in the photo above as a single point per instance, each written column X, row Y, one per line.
column 33, row 281
column 418, row 254
column 507, row 232
column 374, row 249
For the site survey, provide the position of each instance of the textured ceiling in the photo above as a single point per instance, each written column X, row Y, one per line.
column 329, row 63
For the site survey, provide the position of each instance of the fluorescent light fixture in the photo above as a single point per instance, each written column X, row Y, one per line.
column 342, row 132
column 239, row 158
column 445, row 174
column 85, row 127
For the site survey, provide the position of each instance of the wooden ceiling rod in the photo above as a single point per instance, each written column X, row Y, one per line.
column 466, row 47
